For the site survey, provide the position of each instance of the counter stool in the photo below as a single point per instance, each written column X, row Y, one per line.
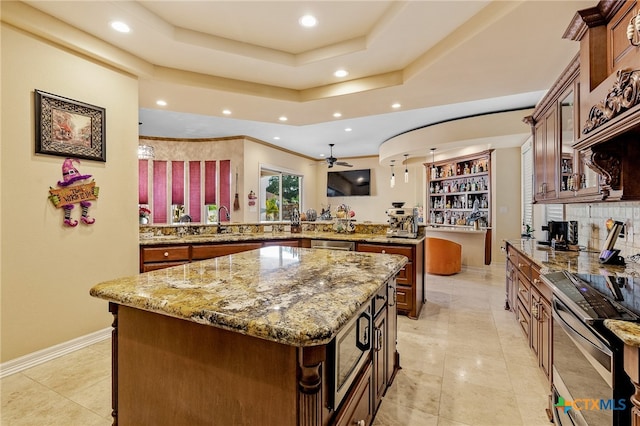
column 442, row 257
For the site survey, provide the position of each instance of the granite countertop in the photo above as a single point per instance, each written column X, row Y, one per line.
column 628, row 332
column 260, row 236
column 295, row 296
column 582, row 262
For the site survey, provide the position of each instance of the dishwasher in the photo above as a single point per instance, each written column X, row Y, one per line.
column 334, row 245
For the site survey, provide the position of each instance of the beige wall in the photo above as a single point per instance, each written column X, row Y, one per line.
column 506, row 192
column 46, row 268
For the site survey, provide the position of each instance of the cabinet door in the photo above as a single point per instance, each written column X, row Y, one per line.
column 546, row 330
column 358, row 409
column 380, row 345
column 283, row 243
column 545, row 155
column 535, row 322
column 392, row 330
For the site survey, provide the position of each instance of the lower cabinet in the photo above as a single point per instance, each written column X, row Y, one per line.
column 209, row 251
column 410, row 296
column 530, row 300
column 380, row 347
column 152, row 258
column 358, row 409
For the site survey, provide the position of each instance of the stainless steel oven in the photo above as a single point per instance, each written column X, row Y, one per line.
column 349, row 351
column 589, row 383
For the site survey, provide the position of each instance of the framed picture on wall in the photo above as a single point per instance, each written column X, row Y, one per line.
column 69, row 128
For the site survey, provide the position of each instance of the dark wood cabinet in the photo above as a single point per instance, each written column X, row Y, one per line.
column 530, row 300
column 358, row 408
column 164, row 256
column 380, row 346
column 410, row 280
column 209, row 251
column 283, row 243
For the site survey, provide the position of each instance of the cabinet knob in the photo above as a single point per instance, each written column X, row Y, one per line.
column 360, row 423
column 166, row 254
column 383, row 252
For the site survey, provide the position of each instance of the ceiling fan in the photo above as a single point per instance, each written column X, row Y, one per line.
column 331, row 160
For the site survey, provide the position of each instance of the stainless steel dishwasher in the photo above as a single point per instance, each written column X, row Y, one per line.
column 334, row 245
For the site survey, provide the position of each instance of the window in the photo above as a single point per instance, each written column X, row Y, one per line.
column 281, row 192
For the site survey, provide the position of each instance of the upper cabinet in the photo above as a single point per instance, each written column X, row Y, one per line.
column 609, row 101
column 585, row 127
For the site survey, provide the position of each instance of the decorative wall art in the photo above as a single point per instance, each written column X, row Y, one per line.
column 69, row 128
column 72, row 192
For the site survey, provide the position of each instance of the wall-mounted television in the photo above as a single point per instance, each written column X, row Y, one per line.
column 348, row 183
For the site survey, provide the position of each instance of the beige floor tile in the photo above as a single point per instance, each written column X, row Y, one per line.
column 490, row 371
column 446, row 422
column 478, row 405
column 96, row 398
column 26, row 402
column 72, row 373
column 532, row 409
column 415, row 389
column 392, row 414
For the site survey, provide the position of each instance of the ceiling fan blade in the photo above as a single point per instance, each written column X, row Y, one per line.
column 344, row 163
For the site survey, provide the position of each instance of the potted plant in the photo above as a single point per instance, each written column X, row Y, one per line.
column 144, row 213
column 272, row 209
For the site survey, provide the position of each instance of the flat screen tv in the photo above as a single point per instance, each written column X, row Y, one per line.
column 347, row 183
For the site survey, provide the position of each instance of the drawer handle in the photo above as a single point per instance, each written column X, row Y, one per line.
column 520, row 265
column 166, row 254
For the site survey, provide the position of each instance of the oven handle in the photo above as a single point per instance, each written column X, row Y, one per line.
column 560, row 312
column 558, row 307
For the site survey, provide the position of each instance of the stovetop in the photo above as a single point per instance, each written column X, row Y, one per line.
column 599, row 297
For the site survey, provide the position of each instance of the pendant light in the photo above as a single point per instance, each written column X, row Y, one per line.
column 433, row 166
column 406, row 171
column 393, row 176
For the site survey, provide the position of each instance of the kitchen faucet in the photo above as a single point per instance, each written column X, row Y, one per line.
column 219, row 214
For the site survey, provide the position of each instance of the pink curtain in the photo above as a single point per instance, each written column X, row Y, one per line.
column 177, row 182
column 143, row 181
column 225, row 186
column 195, row 196
column 210, row 182
column 159, row 211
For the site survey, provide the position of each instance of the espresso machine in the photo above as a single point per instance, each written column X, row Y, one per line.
column 403, row 222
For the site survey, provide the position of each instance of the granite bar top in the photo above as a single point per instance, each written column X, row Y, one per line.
column 261, row 236
column 582, row 262
column 628, row 332
column 295, row 296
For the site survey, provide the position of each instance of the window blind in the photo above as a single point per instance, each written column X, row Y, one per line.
column 527, row 186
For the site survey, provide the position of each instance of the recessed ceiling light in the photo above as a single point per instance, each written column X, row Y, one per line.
column 341, row 73
column 161, row 102
column 308, row 21
column 276, row 138
column 348, row 129
column 321, row 155
column 226, row 112
column 121, row 27
column 283, row 118
column 396, row 105
column 337, row 115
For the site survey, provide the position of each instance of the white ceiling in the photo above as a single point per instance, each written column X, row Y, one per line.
column 440, row 59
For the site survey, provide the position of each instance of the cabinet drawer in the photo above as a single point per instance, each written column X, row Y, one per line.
column 524, row 292
column 283, row 243
column 405, row 276
column 404, row 298
column 524, row 319
column 160, row 265
column 545, row 290
column 524, row 266
column 512, row 254
column 358, row 407
column 165, row 254
column 379, row 248
column 208, row 251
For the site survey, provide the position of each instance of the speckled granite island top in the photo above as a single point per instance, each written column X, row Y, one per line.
column 628, row 332
column 295, row 296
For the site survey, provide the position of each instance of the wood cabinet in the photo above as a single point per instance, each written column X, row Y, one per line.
column 454, row 185
column 380, row 346
column 164, row 256
column 530, row 300
column 410, row 280
column 358, row 409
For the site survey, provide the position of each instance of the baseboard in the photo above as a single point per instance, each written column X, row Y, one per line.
column 31, row 360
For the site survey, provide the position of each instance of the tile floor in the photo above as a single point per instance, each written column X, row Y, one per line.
column 464, row 362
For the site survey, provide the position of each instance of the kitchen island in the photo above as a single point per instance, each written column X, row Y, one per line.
column 249, row 338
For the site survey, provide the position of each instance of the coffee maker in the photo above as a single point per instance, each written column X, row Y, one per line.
column 560, row 234
column 403, row 222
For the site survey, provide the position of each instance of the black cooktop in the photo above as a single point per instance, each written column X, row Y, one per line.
column 600, row 297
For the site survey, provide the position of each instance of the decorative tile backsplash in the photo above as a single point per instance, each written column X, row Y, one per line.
column 592, row 231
